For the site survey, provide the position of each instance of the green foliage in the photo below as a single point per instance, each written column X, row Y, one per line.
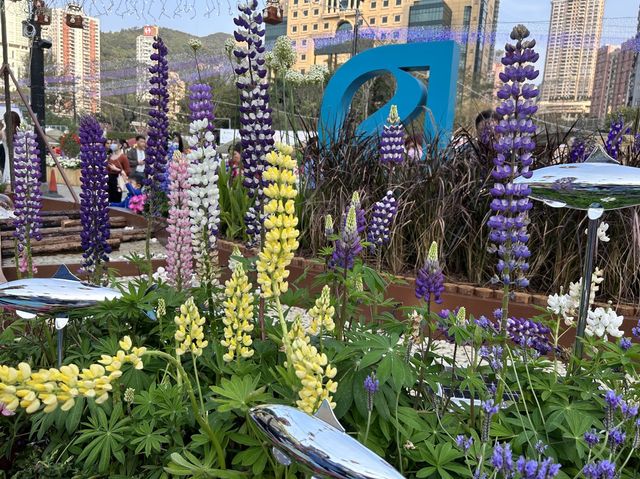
column 234, row 203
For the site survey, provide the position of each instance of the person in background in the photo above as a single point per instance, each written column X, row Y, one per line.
column 134, row 188
column 125, row 146
column 486, row 123
column 235, row 161
column 176, row 142
column 4, row 156
column 136, row 155
column 118, row 164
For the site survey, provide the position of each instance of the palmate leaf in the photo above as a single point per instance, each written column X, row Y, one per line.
column 148, row 439
column 239, row 394
column 104, row 438
column 192, row 467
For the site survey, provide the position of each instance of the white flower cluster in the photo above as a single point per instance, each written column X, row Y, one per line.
column 604, row 321
column 566, row 305
column 203, row 194
column 602, row 232
column 601, row 322
column 229, row 45
column 69, row 163
column 317, row 75
column 283, row 55
column 195, row 44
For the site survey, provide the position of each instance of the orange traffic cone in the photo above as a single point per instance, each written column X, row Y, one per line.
column 53, row 185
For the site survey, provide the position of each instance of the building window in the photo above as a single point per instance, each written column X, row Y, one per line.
column 293, row 43
column 304, row 28
column 396, row 18
column 294, row 29
column 302, row 69
column 305, row 13
column 326, row 26
column 303, row 57
column 295, row 14
column 304, row 43
column 316, row 11
column 315, row 26
column 295, row 2
column 385, row 3
column 373, row 4
column 384, row 19
column 398, row 2
column 372, row 21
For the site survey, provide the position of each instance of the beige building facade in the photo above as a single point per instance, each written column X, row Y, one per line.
column 16, row 13
column 574, row 38
column 322, row 31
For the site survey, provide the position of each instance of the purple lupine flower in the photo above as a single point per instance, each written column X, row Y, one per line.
column 612, row 402
column 484, row 322
column 532, row 469
column 27, row 198
column 603, row 469
column 578, row 151
column 629, row 411
column 430, row 279
column 256, row 132
column 528, row 333
column 94, row 198
column 361, row 220
column 625, row 344
column 591, row 438
column 514, row 147
column 384, row 211
column 464, row 443
column 636, row 143
column 490, row 408
column 155, row 165
column 391, row 147
column 371, row 386
column 540, row 447
column 616, row 438
column 614, row 137
column 502, row 459
column 636, row 330
column 348, row 246
column 493, row 355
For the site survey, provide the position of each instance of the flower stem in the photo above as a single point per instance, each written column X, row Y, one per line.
column 195, row 373
column 366, row 433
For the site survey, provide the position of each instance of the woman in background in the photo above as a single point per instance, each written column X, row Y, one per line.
column 118, row 165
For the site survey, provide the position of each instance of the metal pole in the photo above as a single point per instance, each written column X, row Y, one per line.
column 594, row 213
column 60, row 346
column 7, row 95
column 37, row 91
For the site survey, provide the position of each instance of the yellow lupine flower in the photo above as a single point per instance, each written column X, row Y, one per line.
column 281, row 237
column 311, row 367
column 322, row 313
column 238, row 315
column 190, row 332
column 53, row 388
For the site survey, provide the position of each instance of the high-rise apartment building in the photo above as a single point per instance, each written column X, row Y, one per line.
column 144, row 49
column 474, row 24
column 323, row 31
column 634, row 93
column 574, row 38
column 75, row 53
column 18, row 44
column 605, row 71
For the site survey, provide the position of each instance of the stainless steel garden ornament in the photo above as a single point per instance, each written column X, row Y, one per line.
column 319, row 442
column 55, row 296
column 597, row 185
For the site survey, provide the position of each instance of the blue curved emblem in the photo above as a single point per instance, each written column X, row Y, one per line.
column 440, row 59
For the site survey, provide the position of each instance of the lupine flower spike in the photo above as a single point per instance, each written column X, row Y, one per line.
column 312, row 368
column 514, row 147
column 179, row 255
column 256, row 132
column 430, row 279
column 281, row 239
column 94, row 197
column 189, row 334
column 204, row 208
column 322, row 314
column 392, row 149
column 155, row 165
column 28, row 199
column 384, row 212
column 238, row 315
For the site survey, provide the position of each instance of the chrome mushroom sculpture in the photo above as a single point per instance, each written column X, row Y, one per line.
column 599, row 184
column 55, row 296
column 319, row 442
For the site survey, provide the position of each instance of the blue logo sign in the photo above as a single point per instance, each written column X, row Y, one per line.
column 440, row 59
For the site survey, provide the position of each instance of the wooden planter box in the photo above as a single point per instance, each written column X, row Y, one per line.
column 72, row 174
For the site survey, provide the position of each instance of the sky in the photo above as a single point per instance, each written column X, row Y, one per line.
column 620, row 15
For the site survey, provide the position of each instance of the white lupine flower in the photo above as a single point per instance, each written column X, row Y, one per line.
column 576, row 288
column 604, row 322
column 563, row 305
column 602, row 232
